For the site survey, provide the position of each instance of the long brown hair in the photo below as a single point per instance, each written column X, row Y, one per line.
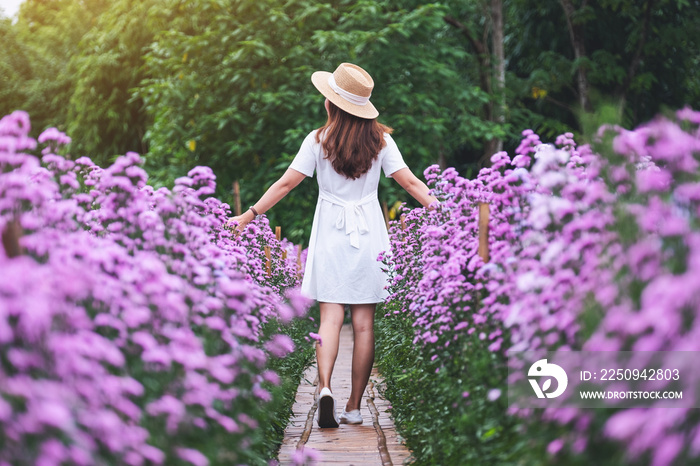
column 351, row 143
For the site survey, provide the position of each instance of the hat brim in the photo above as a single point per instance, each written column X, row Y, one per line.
column 320, row 81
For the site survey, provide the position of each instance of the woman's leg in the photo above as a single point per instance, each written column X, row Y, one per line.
column 362, row 351
column 332, row 315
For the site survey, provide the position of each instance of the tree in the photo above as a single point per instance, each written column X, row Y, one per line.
column 47, row 33
column 575, row 25
column 105, row 118
column 225, row 83
column 497, row 41
column 638, row 56
column 15, row 69
column 488, row 18
column 244, row 106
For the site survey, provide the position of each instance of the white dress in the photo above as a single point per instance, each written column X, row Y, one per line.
column 349, row 231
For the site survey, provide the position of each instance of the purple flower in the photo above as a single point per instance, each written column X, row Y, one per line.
column 124, row 279
column 575, row 233
column 280, row 345
column 666, row 452
column 271, row 377
column 173, row 408
column 52, row 134
column 192, row 456
column 316, row 337
column 555, row 446
column 261, row 393
column 305, row 456
column 653, row 180
column 493, row 394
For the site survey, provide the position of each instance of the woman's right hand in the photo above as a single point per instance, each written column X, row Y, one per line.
column 239, row 222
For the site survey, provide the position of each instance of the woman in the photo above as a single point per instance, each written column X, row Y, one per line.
column 348, row 231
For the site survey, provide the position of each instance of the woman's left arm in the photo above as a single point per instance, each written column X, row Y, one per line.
column 272, row 196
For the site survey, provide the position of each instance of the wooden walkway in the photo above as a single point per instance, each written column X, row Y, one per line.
column 374, row 442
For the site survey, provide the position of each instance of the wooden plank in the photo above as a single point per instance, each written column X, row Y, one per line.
column 348, row 444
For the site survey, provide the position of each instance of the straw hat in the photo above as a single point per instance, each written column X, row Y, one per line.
column 349, row 87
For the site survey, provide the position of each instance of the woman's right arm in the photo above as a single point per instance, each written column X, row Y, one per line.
column 272, row 196
column 414, row 186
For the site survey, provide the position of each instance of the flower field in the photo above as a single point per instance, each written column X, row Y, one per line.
column 592, row 247
column 135, row 328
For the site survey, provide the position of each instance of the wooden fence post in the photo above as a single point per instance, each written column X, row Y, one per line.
column 484, row 231
column 403, row 222
column 236, row 198
column 268, row 262
column 278, row 235
column 10, row 238
column 299, row 260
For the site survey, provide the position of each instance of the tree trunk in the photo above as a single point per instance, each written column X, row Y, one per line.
column 576, row 34
column 485, row 72
column 499, row 65
column 442, row 160
column 634, row 64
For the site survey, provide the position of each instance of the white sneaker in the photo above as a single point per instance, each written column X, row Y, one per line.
column 352, row 417
column 325, row 409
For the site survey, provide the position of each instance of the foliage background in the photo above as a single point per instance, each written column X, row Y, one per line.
column 226, row 83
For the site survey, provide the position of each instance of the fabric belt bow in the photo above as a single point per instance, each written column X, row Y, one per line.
column 351, row 217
